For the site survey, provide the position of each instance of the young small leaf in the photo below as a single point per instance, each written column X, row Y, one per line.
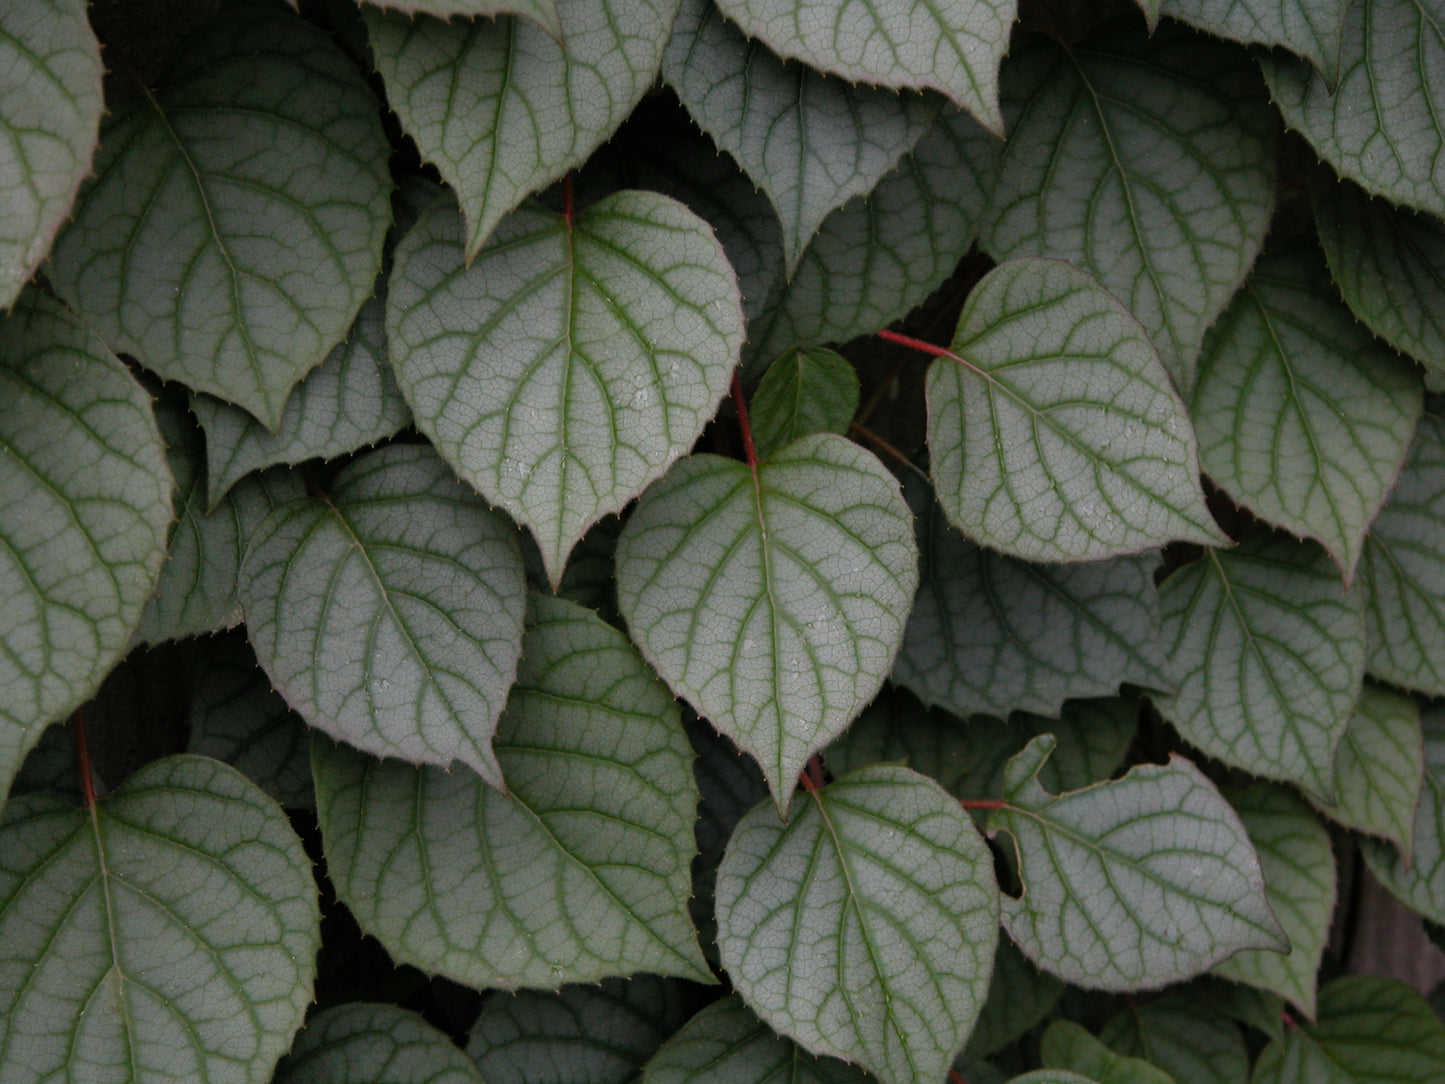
column 365, row 1044
column 804, row 391
column 865, row 927
column 1054, row 431
column 1133, row 883
column 1417, row 877
column 771, row 598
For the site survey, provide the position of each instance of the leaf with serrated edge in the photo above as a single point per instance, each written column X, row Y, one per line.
column 1389, row 264
column 541, row 12
column 1150, row 163
column 1381, row 126
column 169, row 933
column 389, row 614
column 607, row 1031
column 1301, row 414
column 1185, row 1036
column 992, row 634
column 1268, row 657
column 772, row 598
column 347, row 402
column 502, row 108
column 874, row 259
column 85, row 504
column 50, row 107
column 1403, row 570
column 1299, row 880
column 1133, row 883
column 578, row 873
column 1379, row 768
column 1054, row 432
column 363, row 1044
column 954, row 48
column 726, row 1044
column 1066, row 1045
column 1370, row 1030
column 811, row 141
column 235, row 220
column 1310, row 28
column 804, row 391
column 571, row 363
column 1417, row 878
column 865, row 927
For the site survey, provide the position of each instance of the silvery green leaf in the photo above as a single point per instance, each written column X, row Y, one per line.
column 374, row 1044
column 1185, row 1036
column 234, row 223
column 502, row 107
column 1268, row 654
column 85, row 504
column 169, row 933
column 389, row 613
column 804, row 391
column 1132, row 883
column 541, row 12
column 1302, row 415
column 865, row 927
column 573, row 361
column 1147, row 161
column 50, row 107
column 1417, row 877
column 1310, row 28
column 1054, row 432
column 771, row 598
column 1066, row 1045
column 577, row 873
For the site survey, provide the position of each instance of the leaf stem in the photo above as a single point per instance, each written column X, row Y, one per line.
column 569, row 206
column 811, row 777
column 955, row 1078
column 82, row 753
column 743, row 424
column 983, row 803
column 915, row 344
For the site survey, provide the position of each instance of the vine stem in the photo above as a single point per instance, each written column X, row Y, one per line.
column 983, row 803
column 743, row 424
column 955, row 1078
column 82, row 753
column 915, row 344
column 811, row 777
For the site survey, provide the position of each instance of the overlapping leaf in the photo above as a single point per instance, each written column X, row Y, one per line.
column 1135, row 883
column 804, row 391
column 1388, row 262
column 865, row 927
column 50, row 106
column 502, row 107
column 1382, row 126
column 542, row 12
column 872, row 260
column 235, row 220
column 85, row 503
column 811, row 141
column 1149, row 162
column 727, row 1044
column 1019, row 997
column 1268, row 655
column 1054, row 432
column 1185, row 1036
column 1309, row 28
column 389, row 614
column 993, row 634
column 1379, row 768
column 1403, row 570
column 363, row 1044
column 168, row 933
column 346, row 403
column 1417, row 877
column 1299, row 880
column 772, row 598
column 1302, row 415
column 573, row 361
column 953, row 48
column 1066, row 1045
column 578, row 873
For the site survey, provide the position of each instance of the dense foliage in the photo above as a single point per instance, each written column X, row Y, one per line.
column 802, row 540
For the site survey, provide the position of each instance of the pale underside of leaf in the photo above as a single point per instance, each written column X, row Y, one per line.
column 360, row 1043
column 865, row 927
column 1310, row 28
column 1054, row 432
column 572, row 362
column 772, row 598
column 1417, row 878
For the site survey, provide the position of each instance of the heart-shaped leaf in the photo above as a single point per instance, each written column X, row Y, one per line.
column 1133, row 883
column 1382, row 125
column 1310, row 28
column 865, row 927
column 1184, row 1035
column 1268, row 657
column 390, row 613
column 366, row 1044
column 1299, row 881
column 573, row 361
column 955, row 48
column 578, row 872
column 85, row 503
column 50, row 107
column 502, row 107
column 171, row 930
column 1417, row 877
column 235, row 220
column 771, row 597
column 804, row 391
column 1054, row 432
column 810, row 141
column 1147, row 161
